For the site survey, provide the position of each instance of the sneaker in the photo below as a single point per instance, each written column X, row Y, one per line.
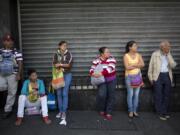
column 108, row 116
column 18, row 121
column 63, row 116
column 46, row 120
column 167, row 116
column 63, row 122
column 136, row 114
column 162, row 118
column 58, row 116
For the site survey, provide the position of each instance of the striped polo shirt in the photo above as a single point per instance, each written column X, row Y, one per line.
column 17, row 56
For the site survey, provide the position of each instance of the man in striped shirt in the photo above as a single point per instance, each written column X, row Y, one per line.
column 10, row 72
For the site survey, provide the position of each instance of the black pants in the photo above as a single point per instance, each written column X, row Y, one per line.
column 162, row 93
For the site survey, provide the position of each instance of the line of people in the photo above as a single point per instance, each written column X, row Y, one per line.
column 159, row 74
column 103, row 75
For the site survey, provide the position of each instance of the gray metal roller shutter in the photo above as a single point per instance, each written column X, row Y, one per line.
column 86, row 26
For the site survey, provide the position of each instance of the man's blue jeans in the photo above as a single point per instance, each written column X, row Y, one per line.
column 62, row 93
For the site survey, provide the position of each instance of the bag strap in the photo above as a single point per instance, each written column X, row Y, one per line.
column 30, row 88
column 12, row 52
column 54, row 73
column 50, row 89
column 58, row 53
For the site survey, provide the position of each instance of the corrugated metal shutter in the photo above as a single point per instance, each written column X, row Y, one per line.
column 86, row 26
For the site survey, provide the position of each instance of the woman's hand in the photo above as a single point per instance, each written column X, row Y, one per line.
column 131, row 67
column 35, row 92
column 126, row 64
column 140, row 63
column 58, row 65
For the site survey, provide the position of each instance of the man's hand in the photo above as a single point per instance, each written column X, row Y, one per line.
column 151, row 82
column 18, row 77
column 20, row 71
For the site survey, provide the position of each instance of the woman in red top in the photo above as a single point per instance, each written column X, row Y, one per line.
column 106, row 90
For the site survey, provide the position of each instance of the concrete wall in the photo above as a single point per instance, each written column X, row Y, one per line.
column 8, row 19
column 4, row 18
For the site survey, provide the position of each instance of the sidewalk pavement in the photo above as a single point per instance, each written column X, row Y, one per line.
column 90, row 123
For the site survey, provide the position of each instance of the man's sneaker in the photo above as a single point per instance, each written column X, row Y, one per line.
column 58, row 116
column 6, row 115
column 46, row 120
column 162, row 118
column 167, row 116
column 18, row 121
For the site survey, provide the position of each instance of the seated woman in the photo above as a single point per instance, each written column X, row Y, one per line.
column 32, row 94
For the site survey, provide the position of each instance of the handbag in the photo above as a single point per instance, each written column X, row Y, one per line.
column 58, row 78
column 35, row 110
column 136, row 80
column 51, row 99
column 100, row 80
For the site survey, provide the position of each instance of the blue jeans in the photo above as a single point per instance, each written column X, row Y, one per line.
column 132, row 96
column 162, row 93
column 106, row 97
column 62, row 93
